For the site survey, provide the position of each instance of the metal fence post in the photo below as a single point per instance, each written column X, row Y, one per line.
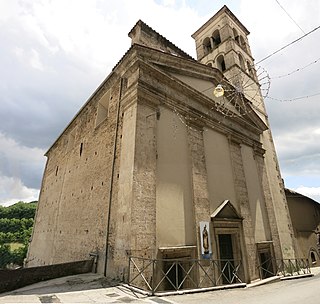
column 153, row 277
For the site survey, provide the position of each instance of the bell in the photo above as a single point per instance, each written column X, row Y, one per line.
column 218, row 91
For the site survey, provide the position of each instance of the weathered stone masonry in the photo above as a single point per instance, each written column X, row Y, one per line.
column 150, row 156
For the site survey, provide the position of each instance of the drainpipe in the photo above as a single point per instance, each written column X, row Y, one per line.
column 112, row 176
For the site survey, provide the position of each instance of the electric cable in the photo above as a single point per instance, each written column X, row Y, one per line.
column 296, row 70
column 291, row 17
column 289, row 44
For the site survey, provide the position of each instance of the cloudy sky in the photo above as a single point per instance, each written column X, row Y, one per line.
column 55, row 53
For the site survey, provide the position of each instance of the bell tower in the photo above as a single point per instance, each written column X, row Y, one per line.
column 222, row 43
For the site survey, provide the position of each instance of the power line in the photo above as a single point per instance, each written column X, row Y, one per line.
column 279, row 50
column 296, row 70
column 291, row 17
column 293, row 99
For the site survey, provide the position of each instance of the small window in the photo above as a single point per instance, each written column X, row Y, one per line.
column 81, row 148
column 241, row 62
column 216, row 38
column 243, row 43
column 313, row 258
column 207, row 46
column 250, row 69
column 103, row 108
column 236, row 35
column 221, row 63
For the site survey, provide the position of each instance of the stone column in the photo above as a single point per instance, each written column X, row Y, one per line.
column 143, row 211
column 143, row 205
column 200, row 190
column 268, row 202
column 199, row 180
column 243, row 201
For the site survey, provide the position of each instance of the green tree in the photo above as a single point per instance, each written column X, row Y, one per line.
column 16, row 224
column 19, row 210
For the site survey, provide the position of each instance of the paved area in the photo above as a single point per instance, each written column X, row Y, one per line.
column 93, row 288
column 85, row 288
column 299, row 291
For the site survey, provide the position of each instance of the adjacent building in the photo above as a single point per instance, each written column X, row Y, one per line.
column 305, row 215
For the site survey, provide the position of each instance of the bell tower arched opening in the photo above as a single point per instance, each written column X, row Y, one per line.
column 221, row 65
column 236, row 35
column 241, row 62
column 207, row 46
column 216, row 38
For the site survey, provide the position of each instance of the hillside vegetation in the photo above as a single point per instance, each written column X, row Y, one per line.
column 16, row 224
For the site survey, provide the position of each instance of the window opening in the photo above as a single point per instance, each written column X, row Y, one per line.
column 243, row 43
column 236, row 35
column 216, row 38
column 241, row 61
column 207, row 46
column 221, row 63
column 81, row 148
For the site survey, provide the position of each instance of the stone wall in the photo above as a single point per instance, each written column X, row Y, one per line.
column 73, row 208
column 13, row 279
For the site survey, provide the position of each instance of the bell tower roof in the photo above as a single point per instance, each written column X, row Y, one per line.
column 223, row 10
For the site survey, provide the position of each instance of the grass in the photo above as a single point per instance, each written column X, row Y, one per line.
column 14, row 246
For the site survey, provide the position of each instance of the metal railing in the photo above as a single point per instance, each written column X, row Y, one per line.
column 156, row 275
column 284, row 267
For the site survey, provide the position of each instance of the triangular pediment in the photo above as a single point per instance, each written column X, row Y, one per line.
column 225, row 211
column 195, row 83
column 204, row 84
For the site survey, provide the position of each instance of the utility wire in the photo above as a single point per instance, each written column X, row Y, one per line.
column 296, row 70
column 279, row 50
column 293, row 99
column 291, row 17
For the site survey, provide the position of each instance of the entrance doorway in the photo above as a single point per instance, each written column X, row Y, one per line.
column 177, row 271
column 265, row 250
column 266, row 265
column 175, row 275
column 226, row 257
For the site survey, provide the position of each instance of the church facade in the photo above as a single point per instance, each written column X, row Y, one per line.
column 170, row 158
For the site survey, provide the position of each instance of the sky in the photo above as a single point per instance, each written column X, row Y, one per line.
column 55, row 53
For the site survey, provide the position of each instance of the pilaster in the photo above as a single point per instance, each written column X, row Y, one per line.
column 243, row 203
column 268, row 202
column 199, row 180
column 143, row 210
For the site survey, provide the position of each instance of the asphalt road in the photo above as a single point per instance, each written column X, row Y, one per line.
column 93, row 288
column 298, row 291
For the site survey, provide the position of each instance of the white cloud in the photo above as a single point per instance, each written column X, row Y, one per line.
column 64, row 48
column 13, row 190
column 20, row 162
column 14, row 150
column 35, row 61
